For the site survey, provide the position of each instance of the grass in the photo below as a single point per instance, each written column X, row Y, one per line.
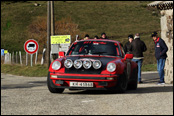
column 34, row 71
column 42, row 71
column 149, row 67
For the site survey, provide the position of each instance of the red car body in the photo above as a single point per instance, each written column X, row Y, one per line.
column 92, row 54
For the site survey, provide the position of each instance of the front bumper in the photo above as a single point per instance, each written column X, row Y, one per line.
column 100, row 81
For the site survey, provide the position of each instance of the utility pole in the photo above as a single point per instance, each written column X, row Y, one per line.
column 48, row 32
column 54, row 56
column 52, row 18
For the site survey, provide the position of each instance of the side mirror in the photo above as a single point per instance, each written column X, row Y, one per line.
column 61, row 54
column 128, row 56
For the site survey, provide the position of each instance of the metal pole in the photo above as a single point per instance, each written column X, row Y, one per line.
column 48, row 32
column 31, row 59
column 26, row 58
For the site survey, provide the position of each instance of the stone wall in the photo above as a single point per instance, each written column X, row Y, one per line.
column 167, row 36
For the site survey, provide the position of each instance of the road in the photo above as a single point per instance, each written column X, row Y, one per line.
column 30, row 96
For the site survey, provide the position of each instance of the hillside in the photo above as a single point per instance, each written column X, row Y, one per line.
column 117, row 19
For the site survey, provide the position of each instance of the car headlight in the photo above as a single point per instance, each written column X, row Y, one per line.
column 77, row 64
column 56, row 65
column 68, row 63
column 111, row 67
column 97, row 64
column 87, row 64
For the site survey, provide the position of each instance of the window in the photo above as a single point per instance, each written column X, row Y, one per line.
column 95, row 48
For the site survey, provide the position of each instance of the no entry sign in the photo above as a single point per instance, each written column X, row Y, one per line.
column 31, row 46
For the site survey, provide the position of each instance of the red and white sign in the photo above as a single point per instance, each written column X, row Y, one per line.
column 31, row 46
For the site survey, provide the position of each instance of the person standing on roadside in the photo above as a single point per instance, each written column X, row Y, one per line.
column 86, row 37
column 160, row 54
column 103, row 36
column 96, row 37
column 137, row 48
column 127, row 45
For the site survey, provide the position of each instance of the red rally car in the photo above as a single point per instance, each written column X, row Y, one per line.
column 93, row 64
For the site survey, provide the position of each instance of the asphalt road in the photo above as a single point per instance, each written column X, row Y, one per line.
column 30, row 96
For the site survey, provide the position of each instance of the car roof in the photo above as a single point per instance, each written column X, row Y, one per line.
column 106, row 40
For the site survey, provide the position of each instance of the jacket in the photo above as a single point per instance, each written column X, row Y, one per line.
column 160, row 49
column 137, row 48
column 127, row 47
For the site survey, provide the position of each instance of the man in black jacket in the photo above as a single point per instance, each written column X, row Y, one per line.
column 127, row 45
column 160, row 54
column 137, row 48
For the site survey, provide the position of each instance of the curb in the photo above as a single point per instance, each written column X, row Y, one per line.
column 149, row 72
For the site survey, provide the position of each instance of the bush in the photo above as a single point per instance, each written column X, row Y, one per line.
column 38, row 30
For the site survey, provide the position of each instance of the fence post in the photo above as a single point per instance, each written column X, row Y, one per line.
column 36, row 57
column 43, row 56
column 13, row 58
column 10, row 58
column 16, row 57
column 20, row 56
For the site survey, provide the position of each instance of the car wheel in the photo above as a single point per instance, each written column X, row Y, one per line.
column 134, row 83
column 51, row 89
column 128, row 69
column 122, row 83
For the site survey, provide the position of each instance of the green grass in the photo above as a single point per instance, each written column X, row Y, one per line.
column 42, row 71
column 34, row 71
column 149, row 67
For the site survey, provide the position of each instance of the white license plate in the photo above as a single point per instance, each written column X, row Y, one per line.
column 81, row 84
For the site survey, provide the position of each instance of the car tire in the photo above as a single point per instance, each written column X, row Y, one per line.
column 128, row 69
column 122, row 83
column 134, row 83
column 51, row 89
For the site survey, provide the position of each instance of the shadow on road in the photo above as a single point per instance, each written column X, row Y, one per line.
column 25, row 85
column 142, row 90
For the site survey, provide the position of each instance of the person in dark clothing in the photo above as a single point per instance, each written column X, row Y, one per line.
column 160, row 54
column 86, row 37
column 96, row 37
column 137, row 48
column 127, row 45
column 103, row 36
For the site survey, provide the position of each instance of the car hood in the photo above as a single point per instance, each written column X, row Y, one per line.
column 104, row 60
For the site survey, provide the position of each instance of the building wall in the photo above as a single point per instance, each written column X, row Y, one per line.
column 167, row 36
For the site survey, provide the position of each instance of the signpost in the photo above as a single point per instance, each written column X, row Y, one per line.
column 61, row 39
column 31, row 46
column 60, row 43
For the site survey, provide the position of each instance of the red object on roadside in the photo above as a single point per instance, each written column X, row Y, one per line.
column 31, row 46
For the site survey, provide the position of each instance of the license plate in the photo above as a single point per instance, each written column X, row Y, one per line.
column 81, row 84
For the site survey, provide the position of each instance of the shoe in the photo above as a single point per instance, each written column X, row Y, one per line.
column 140, row 82
column 161, row 83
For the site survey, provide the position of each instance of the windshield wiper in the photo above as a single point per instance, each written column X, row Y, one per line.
column 99, row 53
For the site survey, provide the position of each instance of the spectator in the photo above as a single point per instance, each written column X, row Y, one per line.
column 86, row 37
column 96, row 37
column 137, row 48
column 127, row 45
column 160, row 54
column 103, row 36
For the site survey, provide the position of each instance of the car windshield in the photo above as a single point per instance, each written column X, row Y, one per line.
column 94, row 48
